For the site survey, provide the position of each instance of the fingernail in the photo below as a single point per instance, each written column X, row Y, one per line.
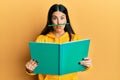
column 82, row 58
column 37, row 61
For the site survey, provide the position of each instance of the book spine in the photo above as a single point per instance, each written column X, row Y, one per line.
column 59, row 61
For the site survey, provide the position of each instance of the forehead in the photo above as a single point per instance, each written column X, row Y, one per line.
column 58, row 13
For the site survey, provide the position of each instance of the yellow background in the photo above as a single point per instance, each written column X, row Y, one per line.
column 21, row 21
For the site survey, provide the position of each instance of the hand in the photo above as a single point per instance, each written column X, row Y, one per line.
column 86, row 62
column 31, row 65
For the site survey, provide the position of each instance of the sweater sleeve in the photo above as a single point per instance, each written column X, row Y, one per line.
column 41, row 38
column 30, row 73
column 75, row 37
column 41, row 76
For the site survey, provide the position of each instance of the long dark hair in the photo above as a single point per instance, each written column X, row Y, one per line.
column 61, row 8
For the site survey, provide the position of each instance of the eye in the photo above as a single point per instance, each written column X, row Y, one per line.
column 54, row 18
column 62, row 18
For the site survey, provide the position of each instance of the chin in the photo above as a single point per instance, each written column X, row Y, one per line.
column 58, row 30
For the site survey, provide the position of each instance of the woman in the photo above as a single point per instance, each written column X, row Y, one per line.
column 58, row 30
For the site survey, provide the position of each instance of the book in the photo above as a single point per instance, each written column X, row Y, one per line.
column 59, row 59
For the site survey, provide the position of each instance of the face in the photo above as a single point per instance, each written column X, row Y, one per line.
column 58, row 18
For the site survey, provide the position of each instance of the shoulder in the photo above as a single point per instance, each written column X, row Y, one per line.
column 41, row 38
column 75, row 37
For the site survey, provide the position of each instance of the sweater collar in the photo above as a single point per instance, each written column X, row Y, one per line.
column 51, row 35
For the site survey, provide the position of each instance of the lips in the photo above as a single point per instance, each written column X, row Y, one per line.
column 58, row 27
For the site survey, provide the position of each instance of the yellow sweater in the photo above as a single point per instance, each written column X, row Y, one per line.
column 51, row 38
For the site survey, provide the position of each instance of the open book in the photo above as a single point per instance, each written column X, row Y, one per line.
column 59, row 59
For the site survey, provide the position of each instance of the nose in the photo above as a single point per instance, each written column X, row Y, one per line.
column 58, row 21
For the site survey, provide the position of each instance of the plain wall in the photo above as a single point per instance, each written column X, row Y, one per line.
column 22, row 21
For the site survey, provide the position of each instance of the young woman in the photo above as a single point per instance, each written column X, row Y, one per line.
column 58, row 30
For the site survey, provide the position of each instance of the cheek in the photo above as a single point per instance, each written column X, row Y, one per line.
column 63, row 26
column 64, row 21
column 54, row 21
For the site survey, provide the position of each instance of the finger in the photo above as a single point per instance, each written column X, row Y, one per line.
column 30, row 68
column 27, row 65
column 33, row 67
column 88, row 66
column 34, row 63
column 31, row 62
column 86, row 59
column 82, row 62
column 89, row 61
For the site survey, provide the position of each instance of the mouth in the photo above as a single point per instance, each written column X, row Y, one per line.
column 58, row 27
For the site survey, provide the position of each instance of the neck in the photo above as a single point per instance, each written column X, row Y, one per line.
column 58, row 34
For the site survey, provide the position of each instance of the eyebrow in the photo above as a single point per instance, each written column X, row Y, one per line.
column 55, row 15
